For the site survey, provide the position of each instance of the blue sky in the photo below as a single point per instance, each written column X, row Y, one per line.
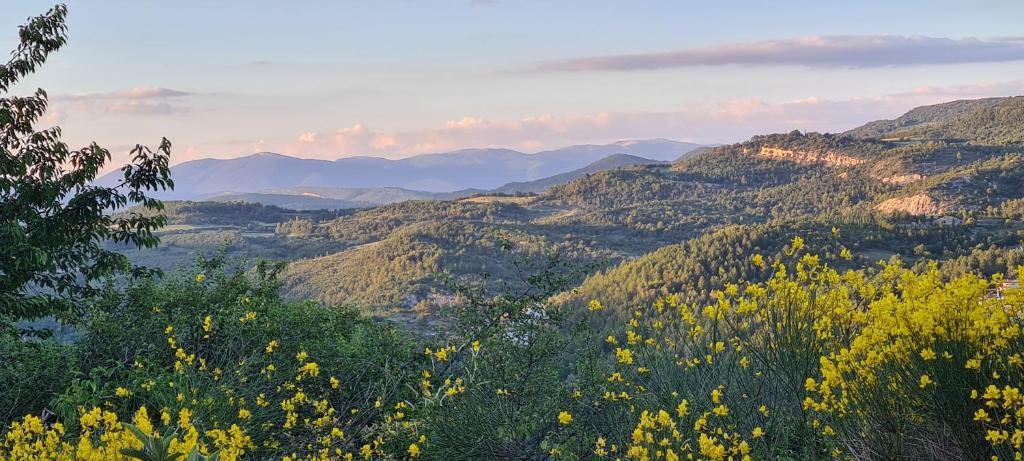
column 328, row 79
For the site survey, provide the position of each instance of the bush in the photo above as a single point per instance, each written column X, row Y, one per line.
column 221, row 360
column 34, row 371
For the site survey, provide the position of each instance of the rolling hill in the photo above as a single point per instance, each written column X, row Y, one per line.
column 746, row 197
column 685, row 221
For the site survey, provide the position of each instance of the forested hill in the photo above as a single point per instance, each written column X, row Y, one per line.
column 922, row 116
column 650, row 230
column 992, row 121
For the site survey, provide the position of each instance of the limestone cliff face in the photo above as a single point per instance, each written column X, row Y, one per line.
column 917, row 205
column 828, row 157
column 902, row 179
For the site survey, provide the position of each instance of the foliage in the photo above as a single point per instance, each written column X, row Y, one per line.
column 34, row 371
column 815, row 363
column 52, row 221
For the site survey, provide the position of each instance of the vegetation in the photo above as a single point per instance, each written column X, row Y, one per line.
column 716, row 333
column 52, row 221
column 810, row 363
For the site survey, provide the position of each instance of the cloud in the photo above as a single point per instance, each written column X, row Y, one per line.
column 139, row 92
column 143, row 108
column 142, row 100
column 844, row 51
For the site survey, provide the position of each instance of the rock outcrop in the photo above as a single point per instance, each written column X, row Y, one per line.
column 902, row 179
column 827, row 157
column 918, row 205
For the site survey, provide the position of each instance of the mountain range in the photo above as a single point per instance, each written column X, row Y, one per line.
column 355, row 179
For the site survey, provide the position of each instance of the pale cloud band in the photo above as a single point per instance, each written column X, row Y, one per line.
column 849, row 51
column 143, row 100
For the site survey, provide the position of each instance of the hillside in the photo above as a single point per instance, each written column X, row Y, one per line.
column 661, row 228
column 922, row 116
column 795, row 178
column 303, row 201
column 610, row 162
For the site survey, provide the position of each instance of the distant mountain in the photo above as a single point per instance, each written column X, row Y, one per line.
column 333, row 198
column 610, row 162
column 445, row 172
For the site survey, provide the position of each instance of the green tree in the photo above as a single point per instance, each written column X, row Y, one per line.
column 53, row 221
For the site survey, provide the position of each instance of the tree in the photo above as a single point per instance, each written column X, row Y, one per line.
column 53, row 221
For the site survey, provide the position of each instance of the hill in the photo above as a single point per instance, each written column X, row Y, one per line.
column 661, row 228
column 610, row 162
column 922, row 116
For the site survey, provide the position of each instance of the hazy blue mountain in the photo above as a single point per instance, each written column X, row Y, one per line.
column 332, row 198
column 482, row 169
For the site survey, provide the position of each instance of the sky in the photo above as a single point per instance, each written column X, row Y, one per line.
column 394, row 78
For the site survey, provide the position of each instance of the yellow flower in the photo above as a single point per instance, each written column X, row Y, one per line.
column 928, row 354
column 594, row 305
column 271, row 346
column 200, row 278
column 624, row 356
column 122, row 392
column 757, row 432
column 924, row 381
column 564, row 418
column 476, row 346
column 244, row 414
column 335, row 383
column 414, row 451
column 797, row 244
column 683, row 409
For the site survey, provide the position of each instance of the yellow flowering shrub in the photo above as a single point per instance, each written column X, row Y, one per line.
column 931, row 367
column 103, row 437
column 229, row 368
column 811, row 363
column 815, row 363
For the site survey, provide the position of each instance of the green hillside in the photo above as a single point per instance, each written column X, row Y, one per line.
column 659, row 228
